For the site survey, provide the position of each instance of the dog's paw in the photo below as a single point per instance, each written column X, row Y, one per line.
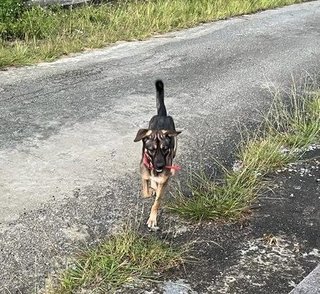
column 146, row 194
column 149, row 193
column 152, row 224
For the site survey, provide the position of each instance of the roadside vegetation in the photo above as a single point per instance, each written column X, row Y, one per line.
column 286, row 132
column 127, row 257
column 32, row 34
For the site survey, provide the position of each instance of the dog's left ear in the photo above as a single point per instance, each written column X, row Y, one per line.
column 173, row 133
column 141, row 134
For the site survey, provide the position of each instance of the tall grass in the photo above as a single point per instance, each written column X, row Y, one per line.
column 46, row 33
column 295, row 123
column 289, row 127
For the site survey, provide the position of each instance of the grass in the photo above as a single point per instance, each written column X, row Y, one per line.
column 126, row 257
column 298, row 123
column 287, row 130
column 44, row 34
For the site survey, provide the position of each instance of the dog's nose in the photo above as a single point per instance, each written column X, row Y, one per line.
column 159, row 167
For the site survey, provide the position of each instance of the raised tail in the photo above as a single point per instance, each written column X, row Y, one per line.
column 160, row 98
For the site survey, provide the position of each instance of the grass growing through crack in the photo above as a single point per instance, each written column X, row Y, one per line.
column 286, row 130
column 127, row 257
column 297, row 124
column 43, row 34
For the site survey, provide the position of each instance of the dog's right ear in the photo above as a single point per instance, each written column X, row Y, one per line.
column 142, row 133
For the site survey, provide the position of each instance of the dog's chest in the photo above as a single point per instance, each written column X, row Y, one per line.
column 157, row 180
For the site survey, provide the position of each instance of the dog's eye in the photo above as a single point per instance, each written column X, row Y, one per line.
column 150, row 148
column 165, row 148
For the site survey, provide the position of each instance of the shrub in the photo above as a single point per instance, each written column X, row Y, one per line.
column 10, row 10
column 24, row 23
column 36, row 22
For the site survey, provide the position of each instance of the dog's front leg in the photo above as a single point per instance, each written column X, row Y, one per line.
column 152, row 221
column 146, row 191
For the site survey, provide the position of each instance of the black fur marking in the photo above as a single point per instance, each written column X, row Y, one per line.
column 160, row 98
column 161, row 123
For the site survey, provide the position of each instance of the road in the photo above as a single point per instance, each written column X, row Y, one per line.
column 68, row 164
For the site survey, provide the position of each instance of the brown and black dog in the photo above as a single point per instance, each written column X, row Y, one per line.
column 158, row 151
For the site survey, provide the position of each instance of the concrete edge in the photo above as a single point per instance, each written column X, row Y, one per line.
column 310, row 284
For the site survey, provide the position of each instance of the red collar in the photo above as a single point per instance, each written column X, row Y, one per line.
column 148, row 164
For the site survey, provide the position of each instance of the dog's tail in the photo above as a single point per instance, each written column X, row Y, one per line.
column 160, row 98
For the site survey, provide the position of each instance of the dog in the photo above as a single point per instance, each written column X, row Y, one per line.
column 159, row 145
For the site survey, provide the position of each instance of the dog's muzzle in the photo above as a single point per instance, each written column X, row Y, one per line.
column 148, row 164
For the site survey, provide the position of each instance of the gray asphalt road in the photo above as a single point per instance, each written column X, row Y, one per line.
column 68, row 164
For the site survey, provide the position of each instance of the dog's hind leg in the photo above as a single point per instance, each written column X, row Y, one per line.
column 152, row 221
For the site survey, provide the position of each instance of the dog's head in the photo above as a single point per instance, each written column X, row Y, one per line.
column 158, row 146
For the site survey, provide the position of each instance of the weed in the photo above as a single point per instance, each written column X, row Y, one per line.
column 296, row 123
column 126, row 257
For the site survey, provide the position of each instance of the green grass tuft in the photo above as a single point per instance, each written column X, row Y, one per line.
column 295, row 123
column 210, row 200
column 126, row 257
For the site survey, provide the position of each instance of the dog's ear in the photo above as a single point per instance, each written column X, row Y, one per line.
column 141, row 134
column 171, row 133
